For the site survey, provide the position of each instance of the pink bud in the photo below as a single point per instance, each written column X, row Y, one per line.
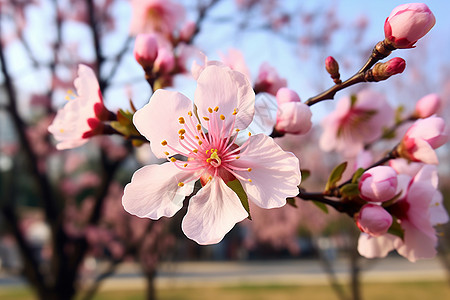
column 407, row 23
column 145, row 49
column 373, row 220
column 293, row 117
column 427, row 106
column 382, row 71
column 378, row 184
column 269, row 80
column 165, row 61
column 187, row 31
column 285, row 95
column 332, row 66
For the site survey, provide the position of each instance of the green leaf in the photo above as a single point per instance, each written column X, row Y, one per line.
column 335, row 176
column 291, row 202
column 396, row 229
column 305, row 174
column 350, row 190
column 322, row 206
column 123, row 129
column 358, row 173
column 236, row 186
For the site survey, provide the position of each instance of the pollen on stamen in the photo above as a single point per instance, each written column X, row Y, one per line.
column 181, row 120
column 173, row 159
column 166, row 153
column 164, row 143
column 190, row 113
column 249, row 169
column 197, row 137
column 207, row 151
column 249, row 134
column 181, row 184
column 61, row 130
column 181, row 131
column 235, row 111
column 237, row 129
column 216, row 109
column 222, row 117
column 237, row 157
column 199, row 127
column 206, row 118
column 181, row 137
column 200, row 143
column 195, row 150
column 249, row 180
column 210, row 110
column 185, row 165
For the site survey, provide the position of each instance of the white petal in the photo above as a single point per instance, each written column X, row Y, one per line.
column 372, row 247
column 154, row 192
column 212, row 213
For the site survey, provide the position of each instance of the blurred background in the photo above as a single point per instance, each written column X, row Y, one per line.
column 63, row 230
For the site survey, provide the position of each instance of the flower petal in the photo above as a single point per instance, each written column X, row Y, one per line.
column 87, row 85
column 212, row 213
column 275, row 174
column 418, row 244
column 154, row 192
column 159, row 120
column 219, row 86
column 372, row 247
column 424, row 152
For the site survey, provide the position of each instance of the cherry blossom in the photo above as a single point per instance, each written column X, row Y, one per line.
column 357, row 120
column 427, row 106
column 81, row 117
column 373, row 220
column 205, row 139
column 378, row 184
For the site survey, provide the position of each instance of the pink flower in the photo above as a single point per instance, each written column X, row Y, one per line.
column 378, row 184
column 236, row 61
column 188, row 31
column 224, row 102
column 81, row 117
column 268, row 80
column 165, row 61
column 407, row 23
column 427, row 106
column 156, row 16
column 417, row 211
column 422, row 138
column 145, row 49
column 292, row 115
column 373, row 220
column 356, row 122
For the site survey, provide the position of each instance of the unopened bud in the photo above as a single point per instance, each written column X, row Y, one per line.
column 378, row 184
column 382, row 71
column 332, row 67
column 373, row 220
column 187, row 31
column 286, row 95
column 165, row 62
column 408, row 23
column 145, row 49
column 427, row 106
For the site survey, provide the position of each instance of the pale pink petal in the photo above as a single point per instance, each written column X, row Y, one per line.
column 212, row 213
column 275, row 174
column 154, row 191
column 403, row 166
column 372, row 247
column 428, row 174
column 417, row 243
column 219, row 86
column 438, row 213
column 424, row 152
column 419, row 199
column 87, row 85
column 159, row 120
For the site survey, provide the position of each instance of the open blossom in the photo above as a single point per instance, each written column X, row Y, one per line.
column 407, row 23
column 356, row 122
column 224, row 100
column 417, row 211
column 81, row 117
column 422, row 138
column 156, row 16
column 236, row 61
column 292, row 115
column 378, row 184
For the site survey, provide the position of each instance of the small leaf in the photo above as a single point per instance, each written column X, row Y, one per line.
column 305, row 174
column 322, row 206
column 396, row 229
column 236, row 186
column 350, row 190
column 291, row 202
column 358, row 173
column 335, row 176
column 398, row 114
column 123, row 129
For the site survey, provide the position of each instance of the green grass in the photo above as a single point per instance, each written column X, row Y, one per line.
column 370, row 291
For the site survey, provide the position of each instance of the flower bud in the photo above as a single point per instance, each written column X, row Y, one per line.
column 187, row 31
column 332, row 68
column 165, row 61
column 145, row 49
column 407, row 23
column 373, row 220
column 269, row 80
column 382, row 71
column 293, row 117
column 378, row 184
column 285, row 95
column 427, row 106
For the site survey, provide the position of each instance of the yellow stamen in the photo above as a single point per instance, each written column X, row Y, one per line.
column 199, row 127
column 210, row 110
column 166, row 153
column 237, row 130
column 207, row 151
column 185, row 165
column 181, row 120
column 206, row 118
column 190, row 113
column 197, row 137
column 181, row 131
column 222, row 117
column 216, row 109
column 249, row 134
column 249, row 169
column 249, row 180
column 195, row 150
column 237, row 157
column 181, row 137
column 61, row 130
column 200, row 143
column 235, row 111
column 208, row 160
column 173, row 159
column 67, row 98
column 180, row 184
column 209, row 178
column 164, row 143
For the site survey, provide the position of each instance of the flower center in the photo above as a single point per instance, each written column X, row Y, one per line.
column 214, row 159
